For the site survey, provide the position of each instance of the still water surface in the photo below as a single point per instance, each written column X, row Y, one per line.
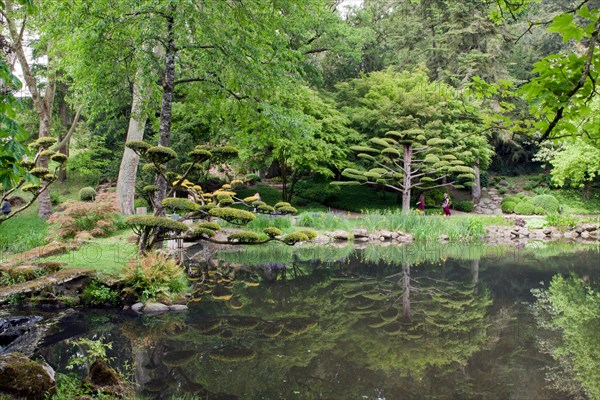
column 437, row 322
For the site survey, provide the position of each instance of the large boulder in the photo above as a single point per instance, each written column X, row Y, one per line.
column 22, row 377
column 103, row 379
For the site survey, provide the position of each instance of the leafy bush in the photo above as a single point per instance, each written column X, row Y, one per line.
column 465, row 206
column 511, row 199
column 530, row 185
column 547, row 202
column 525, row 208
column 539, row 211
column 251, row 179
column 87, row 193
column 54, row 198
column 243, row 237
column 140, row 203
column 319, row 192
column 561, row 221
column 434, row 197
column 484, row 178
column 98, row 294
column 98, row 217
column 508, row 207
column 502, row 190
column 154, row 275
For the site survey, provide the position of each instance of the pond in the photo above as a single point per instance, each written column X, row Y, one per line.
column 431, row 321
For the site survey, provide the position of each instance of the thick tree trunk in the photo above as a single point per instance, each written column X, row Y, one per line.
column 130, row 160
column 164, row 138
column 407, row 179
column 476, row 191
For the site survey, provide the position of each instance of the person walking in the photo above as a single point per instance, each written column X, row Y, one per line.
column 446, row 205
column 6, row 207
column 421, row 203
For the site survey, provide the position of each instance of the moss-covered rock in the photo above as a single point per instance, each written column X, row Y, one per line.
column 104, row 379
column 243, row 237
column 232, row 215
column 310, row 234
column 21, row 377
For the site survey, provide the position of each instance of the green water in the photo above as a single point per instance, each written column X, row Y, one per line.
column 434, row 322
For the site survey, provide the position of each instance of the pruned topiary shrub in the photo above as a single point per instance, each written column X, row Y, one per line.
column 202, row 233
column 87, row 193
column 209, row 225
column 525, row 208
column 272, row 231
column 243, row 237
column 287, row 210
column 282, row 204
column 232, row 215
column 547, row 202
column 175, row 204
column 151, row 229
column 465, row 206
column 265, row 209
column 295, row 237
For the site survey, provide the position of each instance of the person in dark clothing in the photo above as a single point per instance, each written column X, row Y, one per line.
column 6, row 207
column 446, row 205
column 421, row 204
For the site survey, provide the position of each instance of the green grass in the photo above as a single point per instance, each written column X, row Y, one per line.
column 572, row 201
column 107, row 255
column 23, row 232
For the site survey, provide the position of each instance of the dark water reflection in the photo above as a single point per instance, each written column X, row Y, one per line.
column 324, row 323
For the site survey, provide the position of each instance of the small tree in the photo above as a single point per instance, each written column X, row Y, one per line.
column 34, row 180
column 407, row 160
column 197, row 204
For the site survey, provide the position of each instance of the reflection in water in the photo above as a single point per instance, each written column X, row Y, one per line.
column 388, row 322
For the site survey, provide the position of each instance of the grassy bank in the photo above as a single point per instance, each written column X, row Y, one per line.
column 460, row 227
column 108, row 255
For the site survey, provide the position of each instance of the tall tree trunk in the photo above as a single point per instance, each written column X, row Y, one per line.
column 476, row 191
column 43, row 105
column 130, row 160
column 44, row 201
column 406, row 291
column 407, row 182
column 164, row 138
